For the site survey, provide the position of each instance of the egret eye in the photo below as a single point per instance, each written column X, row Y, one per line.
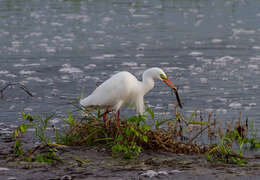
column 163, row 76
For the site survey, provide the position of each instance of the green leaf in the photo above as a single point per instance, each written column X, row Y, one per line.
column 28, row 117
column 150, row 111
column 159, row 123
column 136, row 133
column 15, row 133
column 47, row 120
column 145, row 128
column 199, row 122
column 145, row 139
column 128, row 131
column 23, row 128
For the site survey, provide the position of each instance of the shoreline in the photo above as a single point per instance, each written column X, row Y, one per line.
column 96, row 162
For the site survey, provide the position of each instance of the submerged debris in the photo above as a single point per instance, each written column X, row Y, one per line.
column 20, row 85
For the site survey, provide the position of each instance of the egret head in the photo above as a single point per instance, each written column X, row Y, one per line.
column 158, row 73
column 165, row 79
column 155, row 73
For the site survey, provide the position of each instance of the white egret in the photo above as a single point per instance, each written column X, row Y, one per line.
column 122, row 88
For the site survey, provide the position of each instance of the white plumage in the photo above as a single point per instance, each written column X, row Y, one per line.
column 122, row 88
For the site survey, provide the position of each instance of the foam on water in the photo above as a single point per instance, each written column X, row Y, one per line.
column 105, row 56
column 204, row 80
column 139, row 55
column 28, row 109
column 235, row 105
column 256, row 47
column 90, row 66
column 50, row 49
column 253, row 67
column 3, row 72
column 26, row 72
column 173, row 69
column 216, row 40
column 224, row 100
column 10, row 75
column 221, row 111
column 237, row 33
column 231, row 46
column 37, row 79
column 56, row 24
column 130, row 64
column 195, row 53
column 67, row 68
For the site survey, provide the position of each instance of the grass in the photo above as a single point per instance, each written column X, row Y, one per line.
column 133, row 135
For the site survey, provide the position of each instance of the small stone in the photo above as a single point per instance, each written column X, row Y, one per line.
column 162, row 173
column 4, row 169
column 175, row 171
column 66, row 177
column 11, row 178
column 150, row 173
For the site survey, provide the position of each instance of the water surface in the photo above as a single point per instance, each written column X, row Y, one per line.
column 209, row 49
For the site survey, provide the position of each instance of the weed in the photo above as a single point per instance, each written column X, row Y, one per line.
column 128, row 140
column 225, row 153
column 17, row 136
column 40, row 125
column 133, row 135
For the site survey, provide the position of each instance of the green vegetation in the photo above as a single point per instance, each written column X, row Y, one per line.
column 133, row 135
column 40, row 126
column 226, row 152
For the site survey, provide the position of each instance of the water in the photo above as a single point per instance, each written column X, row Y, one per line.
column 209, row 49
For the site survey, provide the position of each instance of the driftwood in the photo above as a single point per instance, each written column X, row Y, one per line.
column 20, row 85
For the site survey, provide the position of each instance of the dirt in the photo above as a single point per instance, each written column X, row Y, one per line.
column 83, row 162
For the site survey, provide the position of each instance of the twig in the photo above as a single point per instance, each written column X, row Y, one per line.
column 199, row 133
column 209, row 119
column 35, row 149
column 21, row 86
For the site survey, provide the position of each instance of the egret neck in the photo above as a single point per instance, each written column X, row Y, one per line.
column 148, row 82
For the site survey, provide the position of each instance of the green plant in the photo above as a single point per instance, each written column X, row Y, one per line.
column 129, row 139
column 224, row 152
column 252, row 140
column 18, row 132
column 40, row 125
column 244, row 141
column 70, row 123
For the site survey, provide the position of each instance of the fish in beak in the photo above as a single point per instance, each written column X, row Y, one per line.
column 168, row 82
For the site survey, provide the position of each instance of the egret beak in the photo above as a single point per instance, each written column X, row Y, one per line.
column 168, row 82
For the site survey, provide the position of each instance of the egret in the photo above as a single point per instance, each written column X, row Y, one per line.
column 123, row 88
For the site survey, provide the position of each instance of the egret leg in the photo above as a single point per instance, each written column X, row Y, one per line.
column 118, row 117
column 105, row 113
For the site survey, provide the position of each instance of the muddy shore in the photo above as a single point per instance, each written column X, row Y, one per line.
column 82, row 162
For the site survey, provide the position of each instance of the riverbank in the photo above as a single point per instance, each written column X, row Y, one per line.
column 83, row 162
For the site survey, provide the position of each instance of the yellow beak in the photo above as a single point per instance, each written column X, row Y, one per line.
column 169, row 83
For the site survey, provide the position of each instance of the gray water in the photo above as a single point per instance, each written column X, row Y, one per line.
column 209, row 49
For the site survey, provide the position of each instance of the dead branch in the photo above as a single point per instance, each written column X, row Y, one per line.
column 21, row 86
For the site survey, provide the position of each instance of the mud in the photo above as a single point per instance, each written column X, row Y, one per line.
column 83, row 162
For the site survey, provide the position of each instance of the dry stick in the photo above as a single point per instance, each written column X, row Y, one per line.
column 180, row 115
column 209, row 119
column 199, row 134
column 238, row 122
column 22, row 86
column 201, row 119
column 35, row 149
column 215, row 124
